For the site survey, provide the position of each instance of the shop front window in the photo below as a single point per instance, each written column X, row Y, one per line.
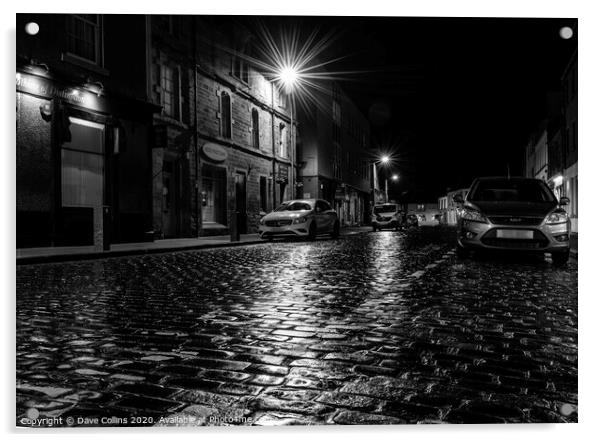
column 82, row 165
column 214, row 194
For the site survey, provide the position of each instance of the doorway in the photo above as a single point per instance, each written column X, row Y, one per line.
column 171, row 198
column 241, row 202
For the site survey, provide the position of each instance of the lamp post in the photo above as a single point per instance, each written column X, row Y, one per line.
column 393, row 178
column 384, row 159
column 288, row 77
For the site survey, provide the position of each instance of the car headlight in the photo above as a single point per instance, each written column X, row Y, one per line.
column 379, row 218
column 473, row 215
column 300, row 220
column 261, row 221
column 557, row 218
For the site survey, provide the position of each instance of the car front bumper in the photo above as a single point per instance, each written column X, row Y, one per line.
column 542, row 238
column 390, row 224
column 283, row 231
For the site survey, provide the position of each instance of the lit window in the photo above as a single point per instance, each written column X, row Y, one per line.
column 83, row 37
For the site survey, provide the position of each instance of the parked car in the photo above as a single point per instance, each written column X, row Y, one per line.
column 300, row 218
column 411, row 220
column 513, row 214
column 386, row 216
column 428, row 217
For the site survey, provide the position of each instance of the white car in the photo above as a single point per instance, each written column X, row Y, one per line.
column 300, row 218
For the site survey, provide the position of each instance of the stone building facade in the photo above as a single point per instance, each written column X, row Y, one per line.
column 334, row 154
column 84, row 130
column 222, row 140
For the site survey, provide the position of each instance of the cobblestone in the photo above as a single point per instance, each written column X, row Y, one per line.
column 378, row 328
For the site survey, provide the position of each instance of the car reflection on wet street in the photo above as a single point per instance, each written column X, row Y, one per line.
column 375, row 328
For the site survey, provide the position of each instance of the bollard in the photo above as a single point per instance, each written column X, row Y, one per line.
column 234, row 233
column 106, row 227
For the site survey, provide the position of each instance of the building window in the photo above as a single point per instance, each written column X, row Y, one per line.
column 213, row 192
column 255, row 128
column 263, row 194
column 282, row 141
column 226, row 115
column 82, row 165
column 170, row 91
column 240, row 69
column 84, row 37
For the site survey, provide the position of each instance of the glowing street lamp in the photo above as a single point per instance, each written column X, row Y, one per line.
column 383, row 159
column 394, row 178
column 288, row 76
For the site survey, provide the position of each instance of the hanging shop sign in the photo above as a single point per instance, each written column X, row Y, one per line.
column 214, row 152
column 282, row 174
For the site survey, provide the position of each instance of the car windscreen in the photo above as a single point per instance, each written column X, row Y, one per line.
column 387, row 208
column 504, row 190
column 294, row 206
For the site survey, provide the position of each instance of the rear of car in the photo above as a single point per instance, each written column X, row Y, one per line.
column 519, row 214
column 386, row 216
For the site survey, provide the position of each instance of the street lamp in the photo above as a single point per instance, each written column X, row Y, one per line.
column 288, row 76
column 384, row 159
column 393, row 178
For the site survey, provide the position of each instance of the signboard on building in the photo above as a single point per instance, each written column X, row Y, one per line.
column 214, row 152
column 340, row 193
column 282, row 173
column 43, row 87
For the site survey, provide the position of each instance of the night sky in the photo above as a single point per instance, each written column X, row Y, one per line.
column 453, row 98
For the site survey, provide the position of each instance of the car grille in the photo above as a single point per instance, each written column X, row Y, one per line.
column 385, row 218
column 516, row 220
column 279, row 222
column 539, row 241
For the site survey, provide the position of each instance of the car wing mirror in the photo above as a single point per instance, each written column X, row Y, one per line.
column 564, row 201
column 458, row 198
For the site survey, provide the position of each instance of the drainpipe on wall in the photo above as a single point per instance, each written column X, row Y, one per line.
column 292, row 153
column 273, row 153
column 197, row 214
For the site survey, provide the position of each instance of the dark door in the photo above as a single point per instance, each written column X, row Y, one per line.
column 241, row 201
column 171, row 197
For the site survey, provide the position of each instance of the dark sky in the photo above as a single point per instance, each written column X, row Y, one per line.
column 462, row 94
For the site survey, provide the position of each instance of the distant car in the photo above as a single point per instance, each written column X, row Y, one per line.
column 386, row 216
column 513, row 214
column 411, row 220
column 300, row 218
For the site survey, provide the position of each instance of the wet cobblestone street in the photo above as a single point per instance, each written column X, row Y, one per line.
column 372, row 328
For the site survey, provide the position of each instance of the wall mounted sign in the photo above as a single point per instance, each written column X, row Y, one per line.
column 282, row 174
column 44, row 87
column 214, row 152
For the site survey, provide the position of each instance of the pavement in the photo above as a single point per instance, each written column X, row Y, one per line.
column 375, row 328
column 57, row 254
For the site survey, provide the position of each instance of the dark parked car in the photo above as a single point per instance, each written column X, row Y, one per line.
column 412, row 220
column 513, row 214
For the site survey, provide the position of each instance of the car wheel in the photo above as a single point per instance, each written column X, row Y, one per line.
column 312, row 232
column 335, row 230
column 560, row 258
column 461, row 252
column 374, row 227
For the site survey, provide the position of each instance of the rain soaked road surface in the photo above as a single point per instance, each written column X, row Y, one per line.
column 375, row 328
